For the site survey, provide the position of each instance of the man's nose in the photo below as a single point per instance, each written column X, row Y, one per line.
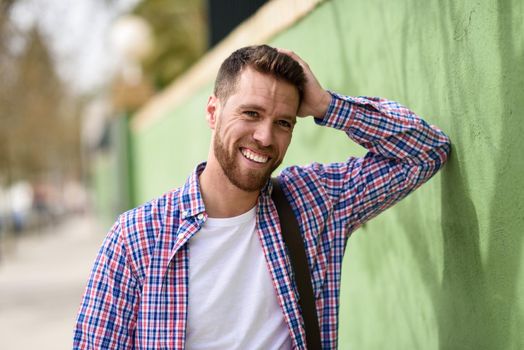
column 263, row 134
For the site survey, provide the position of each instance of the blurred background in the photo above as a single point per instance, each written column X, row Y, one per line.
column 71, row 75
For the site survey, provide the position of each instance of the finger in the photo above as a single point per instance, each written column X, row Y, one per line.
column 293, row 55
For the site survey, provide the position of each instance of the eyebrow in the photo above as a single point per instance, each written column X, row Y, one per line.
column 252, row 106
column 255, row 107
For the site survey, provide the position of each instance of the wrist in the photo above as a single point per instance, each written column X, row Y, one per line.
column 322, row 106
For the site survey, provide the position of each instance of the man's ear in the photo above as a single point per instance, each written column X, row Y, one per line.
column 212, row 109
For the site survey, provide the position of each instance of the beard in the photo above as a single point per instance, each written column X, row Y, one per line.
column 249, row 180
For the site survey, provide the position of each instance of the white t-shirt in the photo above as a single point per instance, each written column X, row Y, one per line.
column 232, row 301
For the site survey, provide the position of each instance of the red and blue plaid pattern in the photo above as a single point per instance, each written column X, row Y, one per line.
column 137, row 294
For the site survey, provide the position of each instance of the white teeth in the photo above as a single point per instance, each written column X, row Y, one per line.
column 254, row 157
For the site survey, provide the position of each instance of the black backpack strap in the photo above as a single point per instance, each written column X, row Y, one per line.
column 297, row 256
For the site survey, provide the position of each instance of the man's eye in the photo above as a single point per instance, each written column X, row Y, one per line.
column 251, row 113
column 285, row 124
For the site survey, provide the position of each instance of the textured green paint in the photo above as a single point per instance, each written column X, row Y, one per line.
column 169, row 150
column 443, row 269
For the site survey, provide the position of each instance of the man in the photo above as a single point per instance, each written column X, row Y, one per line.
column 204, row 266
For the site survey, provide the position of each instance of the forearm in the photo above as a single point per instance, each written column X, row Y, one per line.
column 388, row 129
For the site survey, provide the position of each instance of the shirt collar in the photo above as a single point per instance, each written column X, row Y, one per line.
column 191, row 202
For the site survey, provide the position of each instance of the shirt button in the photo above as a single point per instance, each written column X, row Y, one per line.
column 184, row 213
column 200, row 216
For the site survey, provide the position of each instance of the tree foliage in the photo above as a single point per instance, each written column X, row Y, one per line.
column 180, row 33
column 39, row 128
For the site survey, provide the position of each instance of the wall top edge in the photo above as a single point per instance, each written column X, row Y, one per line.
column 269, row 20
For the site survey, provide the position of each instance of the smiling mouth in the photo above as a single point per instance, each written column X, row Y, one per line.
column 255, row 157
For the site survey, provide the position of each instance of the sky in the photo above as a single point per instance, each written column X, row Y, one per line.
column 78, row 33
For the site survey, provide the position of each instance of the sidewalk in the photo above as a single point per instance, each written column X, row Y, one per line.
column 42, row 279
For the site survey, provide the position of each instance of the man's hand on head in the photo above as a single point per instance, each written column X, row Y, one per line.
column 316, row 100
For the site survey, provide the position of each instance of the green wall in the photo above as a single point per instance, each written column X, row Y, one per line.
column 167, row 152
column 443, row 269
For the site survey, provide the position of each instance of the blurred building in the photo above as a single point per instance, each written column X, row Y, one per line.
column 225, row 15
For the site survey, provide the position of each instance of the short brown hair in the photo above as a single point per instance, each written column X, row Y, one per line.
column 264, row 59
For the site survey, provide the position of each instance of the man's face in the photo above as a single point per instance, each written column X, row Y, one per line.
column 253, row 128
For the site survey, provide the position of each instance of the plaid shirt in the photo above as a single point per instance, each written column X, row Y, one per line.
column 137, row 294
